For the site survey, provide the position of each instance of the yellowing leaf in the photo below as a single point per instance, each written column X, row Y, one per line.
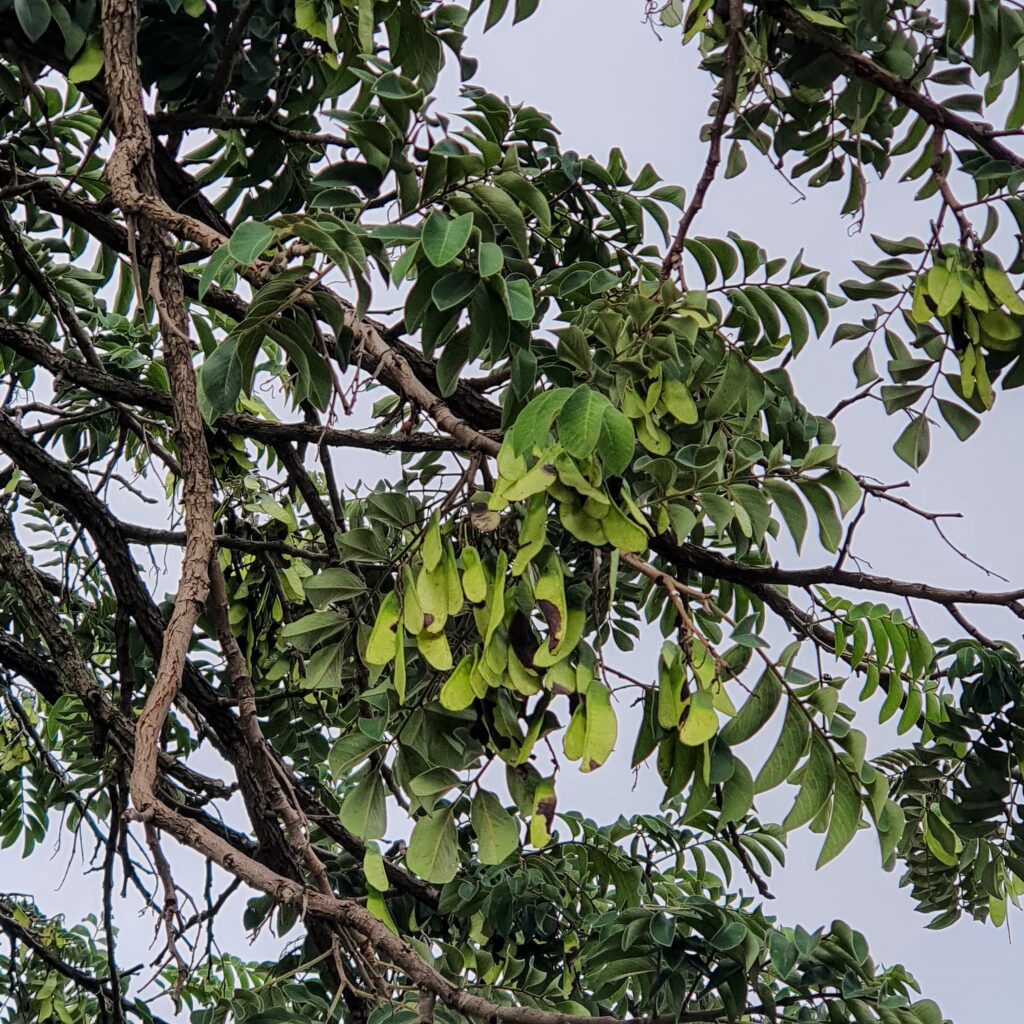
column 412, row 610
column 622, row 533
column 380, row 648
column 549, row 592
column 474, row 580
column 373, row 868
column 944, row 289
column 543, row 816
column 432, row 593
column 457, row 693
column 601, row 727
column 89, row 62
column 999, row 285
column 700, row 720
column 677, row 400
column 432, row 547
column 574, row 737
column 539, row 478
column 399, row 675
column 435, row 650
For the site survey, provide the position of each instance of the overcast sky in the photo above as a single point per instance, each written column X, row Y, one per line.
column 608, row 81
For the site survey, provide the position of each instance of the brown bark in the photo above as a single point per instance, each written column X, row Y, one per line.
column 131, row 173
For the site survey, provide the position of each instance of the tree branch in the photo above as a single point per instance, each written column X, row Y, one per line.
column 984, row 136
column 10, row 925
column 711, row 563
column 133, row 182
column 31, row 346
column 730, row 79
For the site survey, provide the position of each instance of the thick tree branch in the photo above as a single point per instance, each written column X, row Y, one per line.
column 857, row 64
column 133, row 182
column 31, row 346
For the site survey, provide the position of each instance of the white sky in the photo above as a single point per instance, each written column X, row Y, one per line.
column 608, row 81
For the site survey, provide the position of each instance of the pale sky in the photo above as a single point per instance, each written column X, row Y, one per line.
column 607, row 81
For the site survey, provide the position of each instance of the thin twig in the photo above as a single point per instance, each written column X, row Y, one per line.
column 730, row 77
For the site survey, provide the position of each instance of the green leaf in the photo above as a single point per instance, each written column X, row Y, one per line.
column 497, row 832
column 249, row 241
column 366, row 26
column 520, row 300
column 736, row 162
column 348, row 752
column 927, row 1012
column 305, row 633
column 529, row 195
column 844, row 821
column 490, row 259
column 819, row 455
column 495, row 12
column 532, row 428
column 364, row 810
column 913, row 445
column 815, row 785
column 220, row 380
column 729, row 389
column 332, row 585
column 393, row 86
column 830, row 530
column 33, row 17
column 506, row 211
column 737, row 794
column 444, row 238
column 580, row 421
column 758, row 708
column 453, row 289
column 844, row 486
column 89, row 62
column 524, row 8
column 212, row 268
column 616, row 441
column 963, row 422
column 903, row 247
column 788, row 749
column 433, row 848
column 818, row 18
column 362, row 545
column 373, row 868
column 324, row 668
column 788, row 502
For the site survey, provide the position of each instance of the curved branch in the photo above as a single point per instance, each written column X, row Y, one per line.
column 730, row 80
column 857, row 64
column 711, row 563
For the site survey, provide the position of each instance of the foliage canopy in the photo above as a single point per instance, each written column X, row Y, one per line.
column 361, row 701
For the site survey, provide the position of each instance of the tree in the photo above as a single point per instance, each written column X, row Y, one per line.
column 594, row 442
